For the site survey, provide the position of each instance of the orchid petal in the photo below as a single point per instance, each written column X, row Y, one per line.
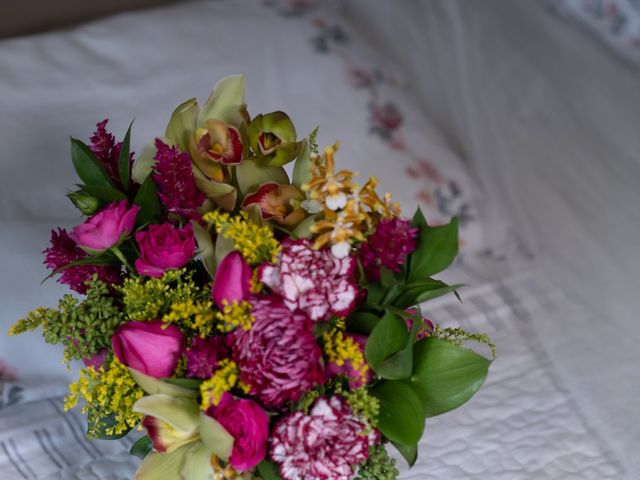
column 144, row 163
column 154, row 386
column 225, row 102
column 183, row 123
column 198, row 464
column 167, row 466
column 180, row 413
column 251, row 175
column 216, row 437
column 206, row 250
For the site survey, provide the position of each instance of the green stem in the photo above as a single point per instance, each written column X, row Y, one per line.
column 118, row 253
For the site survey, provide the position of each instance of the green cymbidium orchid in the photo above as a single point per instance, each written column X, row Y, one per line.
column 272, row 138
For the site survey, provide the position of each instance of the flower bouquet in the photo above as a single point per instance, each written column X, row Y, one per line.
column 254, row 323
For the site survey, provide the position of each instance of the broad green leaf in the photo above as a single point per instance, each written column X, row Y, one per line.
column 141, row 448
column 401, row 417
column 408, row 452
column 167, row 466
column 418, row 219
column 182, row 124
column 362, row 322
column 420, row 291
column 375, row 293
column 105, row 193
column 143, row 165
column 388, row 278
column 400, row 365
column 87, row 166
column 183, row 414
column 446, row 376
column 388, row 337
column 154, row 386
column 215, row 437
column 124, row 160
column 226, row 102
column 268, row 471
column 90, row 260
column 147, row 199
column 206, row 250
column 437, row 248
column 250, row 175
column 302, row 165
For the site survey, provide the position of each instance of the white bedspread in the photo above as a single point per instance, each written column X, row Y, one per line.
column 547, row 123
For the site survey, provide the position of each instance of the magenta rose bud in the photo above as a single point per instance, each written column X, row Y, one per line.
column 107, row 228
column 232, row 280
column 248, row 424
column 152, row 348
column 164, row 247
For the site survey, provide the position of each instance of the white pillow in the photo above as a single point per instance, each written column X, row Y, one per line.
column 141, row 65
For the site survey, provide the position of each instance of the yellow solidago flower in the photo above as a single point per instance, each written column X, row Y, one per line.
column 109, row 391
column 223, row 380
column 235, row 315
column 256, row 243
column 197, row 317
column 344, row 352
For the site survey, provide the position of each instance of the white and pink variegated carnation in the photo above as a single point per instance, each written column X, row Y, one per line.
column 278, row 356
column 314, row 281
column 326, row 444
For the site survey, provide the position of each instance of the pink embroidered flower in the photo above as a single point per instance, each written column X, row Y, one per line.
column 388, row 247
column 278, row 357
column 164, row 247
column 64, row 250
column 107, row 228
column 325, row 445
column 107, row 151
column 314, row 281
column 204, row 356
column 385, row 118
column 248, row 424
column 173, row 175
column 152, row 348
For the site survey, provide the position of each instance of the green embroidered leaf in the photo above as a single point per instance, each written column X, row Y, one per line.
column 401, row 417
column 445, row 376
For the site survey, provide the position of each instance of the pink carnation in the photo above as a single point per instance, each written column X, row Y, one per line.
column 204, row 355
column 388, row 247
column 278, row 357
column 324, row 445
column 314, row 281
column 64, row 250
column 174, row 176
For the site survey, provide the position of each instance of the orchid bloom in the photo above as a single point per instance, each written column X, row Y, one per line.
column 187, row 443
column 215, row 145
column 281, row 203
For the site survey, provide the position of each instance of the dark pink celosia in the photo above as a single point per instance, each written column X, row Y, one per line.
column 173, row 175
column 326, row 444
column 204, row 355
column 64, row 250
column 278, row 356
column 388, row 247
column 314, row 281
column 104, row 147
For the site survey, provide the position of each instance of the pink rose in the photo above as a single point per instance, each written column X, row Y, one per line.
column 355, row 377
column 164, row 247
column 152, row 348
column 107, row 228
column 249, row 426
column 232, row 280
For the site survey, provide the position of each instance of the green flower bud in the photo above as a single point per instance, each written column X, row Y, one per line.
column 85, row 202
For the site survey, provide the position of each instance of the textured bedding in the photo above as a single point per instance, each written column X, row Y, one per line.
column 378, row 90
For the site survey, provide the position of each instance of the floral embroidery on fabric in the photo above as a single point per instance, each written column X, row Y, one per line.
column 9, row 394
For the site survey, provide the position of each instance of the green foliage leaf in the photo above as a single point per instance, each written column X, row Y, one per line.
column 400, row 365
column 401, row 417
column 105, row 259
column 437, row 248
column 124, row 160
column 446, row 376
column 268, row 471
column 420, row 291
column 107, row 194
column 408, row 452
column 141, row 448
column 87, row 166
column 362, row 322
column 147, row 199
column 182, row 124
column 388, row 337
